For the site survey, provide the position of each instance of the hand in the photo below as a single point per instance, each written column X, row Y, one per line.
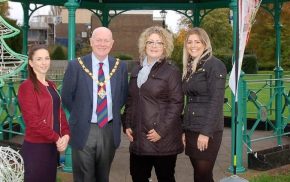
column 202, row 142
column 153, row 136
column 183, row 139
column 129, row 134
column 62, row 143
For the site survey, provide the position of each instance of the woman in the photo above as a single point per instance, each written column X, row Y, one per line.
column 153, row 109
column 204, row 79
column 46, row 127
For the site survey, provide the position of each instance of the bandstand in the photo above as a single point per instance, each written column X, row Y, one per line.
column 276, row 107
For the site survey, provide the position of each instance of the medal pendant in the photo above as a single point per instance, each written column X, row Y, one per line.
column 102, row 93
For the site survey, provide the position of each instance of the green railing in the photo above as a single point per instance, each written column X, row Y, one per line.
column 10, row 115
column 261, row 100
column 259, row 95
column 11, row 64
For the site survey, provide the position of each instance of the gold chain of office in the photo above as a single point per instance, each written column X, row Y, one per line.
column 101, row 84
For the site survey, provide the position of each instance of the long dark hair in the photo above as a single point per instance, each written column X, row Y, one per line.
column 31, row 73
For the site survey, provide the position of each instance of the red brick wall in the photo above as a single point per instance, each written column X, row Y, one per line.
column 126, row 30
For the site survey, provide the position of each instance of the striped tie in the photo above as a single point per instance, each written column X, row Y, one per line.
column 102, row 108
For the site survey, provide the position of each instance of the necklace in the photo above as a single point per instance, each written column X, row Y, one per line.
column 101, row 92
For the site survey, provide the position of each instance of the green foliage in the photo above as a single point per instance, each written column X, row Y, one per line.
column 263, row 41
column 59, row 53
column 286, row 64
column 176, row 55
column 83, row 49
column 227, row 59
column 219, row 30
column 4, row 9
column 249, row 66
column 264, row 66
column 122, row 56
column 15, row 43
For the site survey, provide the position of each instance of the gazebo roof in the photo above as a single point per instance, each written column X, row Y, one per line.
column 143, row 4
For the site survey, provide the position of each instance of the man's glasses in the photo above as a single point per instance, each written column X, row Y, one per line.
column 152, row 44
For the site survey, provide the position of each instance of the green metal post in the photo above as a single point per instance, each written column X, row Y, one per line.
column 196, row 19
column 1, row 111
column 9, row 116
column 233, row 7
column 242, row 118
column 242, row 121
column 236, row 160
column 246, row 137
column 105, row 19
column 71, row 5
column 25, row 29
column 278, row 74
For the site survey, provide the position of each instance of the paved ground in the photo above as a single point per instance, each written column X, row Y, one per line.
column 184, row 173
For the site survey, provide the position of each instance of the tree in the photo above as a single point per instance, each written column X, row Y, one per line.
column 4, row 9
column 15, row 43
column 176, row 55
column 219, row 31
column 263, row 41
column 58, row 52
column 11, row 62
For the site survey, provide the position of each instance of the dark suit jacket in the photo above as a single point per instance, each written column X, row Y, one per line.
column 77, row 97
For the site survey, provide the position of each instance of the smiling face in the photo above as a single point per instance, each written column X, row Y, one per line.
column 40, row 62
column 194, row 46
column 154, row 47
column 101, row 42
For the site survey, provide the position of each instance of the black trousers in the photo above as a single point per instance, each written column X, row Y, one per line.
column 141, row 166
column 93, row 162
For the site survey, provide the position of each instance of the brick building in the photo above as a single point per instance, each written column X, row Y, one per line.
column 126, row 29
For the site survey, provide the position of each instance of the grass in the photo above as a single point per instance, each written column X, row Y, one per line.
column 268, row 177
column 58, row 179
column 262, row 85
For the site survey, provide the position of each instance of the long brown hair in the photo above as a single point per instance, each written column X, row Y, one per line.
column 204, row 38
column 31, row 73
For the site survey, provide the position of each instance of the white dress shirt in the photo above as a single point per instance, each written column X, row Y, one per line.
column 106, row 69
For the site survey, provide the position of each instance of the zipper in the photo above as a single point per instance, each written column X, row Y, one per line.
column 139, row 123
column 51, row 108
column 59, row 112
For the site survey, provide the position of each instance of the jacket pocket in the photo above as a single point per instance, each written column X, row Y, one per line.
column 196, row 113
column 220, row 80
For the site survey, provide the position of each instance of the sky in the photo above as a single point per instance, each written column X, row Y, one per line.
column 17, row 13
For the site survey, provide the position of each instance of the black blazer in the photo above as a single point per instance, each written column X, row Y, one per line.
column 77, row 97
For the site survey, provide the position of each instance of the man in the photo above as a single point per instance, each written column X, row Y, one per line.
column 94, row 91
